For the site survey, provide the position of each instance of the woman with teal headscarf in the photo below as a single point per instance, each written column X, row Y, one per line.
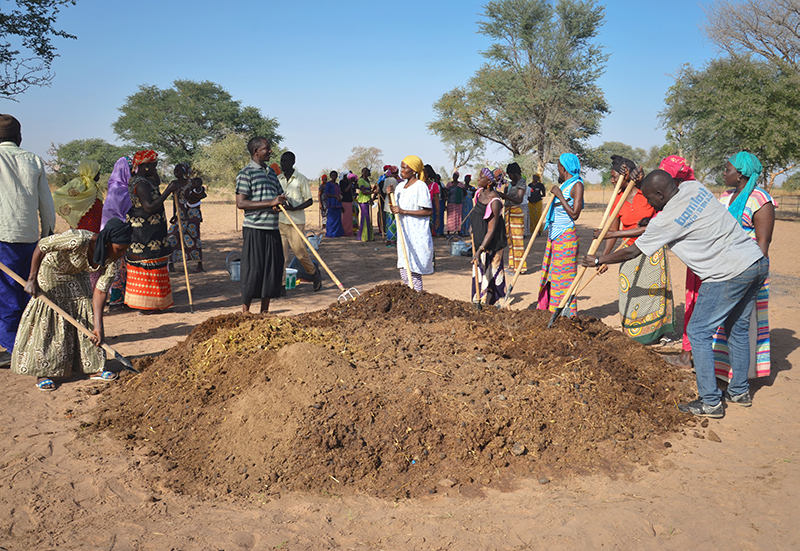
column 754, row 209
column 560, row 263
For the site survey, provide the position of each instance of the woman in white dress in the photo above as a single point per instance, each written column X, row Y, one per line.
column 412, row 205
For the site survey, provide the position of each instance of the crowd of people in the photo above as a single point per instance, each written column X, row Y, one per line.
column 123, row 246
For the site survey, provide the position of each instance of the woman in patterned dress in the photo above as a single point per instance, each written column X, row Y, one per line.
column 189, row 196
column 47, row 346
column 148, row 287
column 646, row 305
column 754, row 209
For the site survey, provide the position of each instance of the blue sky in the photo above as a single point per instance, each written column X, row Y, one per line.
column 335, row 75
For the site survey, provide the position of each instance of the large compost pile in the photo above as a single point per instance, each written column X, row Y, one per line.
column 395, row 394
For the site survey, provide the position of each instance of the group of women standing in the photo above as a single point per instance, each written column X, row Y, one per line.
column 341, row 195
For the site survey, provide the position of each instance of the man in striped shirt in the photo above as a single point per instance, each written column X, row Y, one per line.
column 258, row 193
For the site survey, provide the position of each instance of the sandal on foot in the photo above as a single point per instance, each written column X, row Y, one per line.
column 46, row 385
column 104, row 376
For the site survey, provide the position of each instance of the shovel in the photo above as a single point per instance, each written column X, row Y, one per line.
column 565, row 300
column 347, row 294
column 79, row 326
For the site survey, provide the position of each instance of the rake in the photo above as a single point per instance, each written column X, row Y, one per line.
column 347, row 294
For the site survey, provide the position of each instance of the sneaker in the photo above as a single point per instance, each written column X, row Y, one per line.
column 742, row 399
column 697, row 407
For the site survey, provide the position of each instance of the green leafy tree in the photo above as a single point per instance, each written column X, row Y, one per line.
column 360, row 157
column 178, row 121
column 792, row 183
column 462, row 151
column 26, row 47
column 65, row 157
column 607, row 149
column 538, row 92
column 220, row 161
column 735, row 104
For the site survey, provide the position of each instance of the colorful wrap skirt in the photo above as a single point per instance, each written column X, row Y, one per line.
column 515, row 230
column 559, row 268
column 645, row 297
column 488, row 278
column 454, row 212
column 148, row 286
column 759, row 342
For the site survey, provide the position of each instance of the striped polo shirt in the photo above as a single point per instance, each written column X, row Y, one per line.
column 259, row 184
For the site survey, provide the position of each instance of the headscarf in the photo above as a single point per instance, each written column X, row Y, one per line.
column 185, row 168
column 390, row 169
column 143, row 157
column 324, row 178
column 351, row 176
column 276, row 167
column 618, row 161
column 118, row 200
column 572, row 165
column 677, row 167
column 750, row 167
column 416, row 164
column 116, row 232
column 76, row 197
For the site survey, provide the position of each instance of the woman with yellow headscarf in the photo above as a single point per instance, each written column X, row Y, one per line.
column 80, row 201
column 412, row 202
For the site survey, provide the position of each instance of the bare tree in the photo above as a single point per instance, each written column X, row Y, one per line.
column 767, row 28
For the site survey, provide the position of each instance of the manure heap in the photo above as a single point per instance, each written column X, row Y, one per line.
column 395, row 394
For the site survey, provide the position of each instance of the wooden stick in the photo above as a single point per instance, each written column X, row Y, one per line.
column 183, row 251
column 518, row 271
column 402, row 241
column 592, row 249
column 314, row 251
column 79, row 326
column 617, row 187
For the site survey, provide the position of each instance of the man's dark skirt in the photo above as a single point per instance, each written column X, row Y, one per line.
column 262, row 264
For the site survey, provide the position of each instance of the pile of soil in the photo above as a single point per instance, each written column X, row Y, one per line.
column 395, row 394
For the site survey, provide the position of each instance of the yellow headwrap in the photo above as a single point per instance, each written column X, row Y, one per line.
column 416, row 164
column 76, row 197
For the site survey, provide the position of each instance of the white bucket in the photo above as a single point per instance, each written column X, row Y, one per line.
column 291, row 278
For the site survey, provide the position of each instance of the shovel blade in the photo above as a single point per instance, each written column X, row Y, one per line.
column 126, row 363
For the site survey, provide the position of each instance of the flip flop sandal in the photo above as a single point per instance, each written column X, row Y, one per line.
column 105, row 376
column 46, row 385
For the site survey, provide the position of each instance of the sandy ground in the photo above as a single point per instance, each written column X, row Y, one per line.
column 64, row 488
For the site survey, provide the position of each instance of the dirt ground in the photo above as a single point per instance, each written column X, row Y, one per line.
column 399, row 421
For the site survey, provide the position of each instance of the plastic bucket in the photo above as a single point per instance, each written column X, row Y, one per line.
column 234, row 266
column 291, row 278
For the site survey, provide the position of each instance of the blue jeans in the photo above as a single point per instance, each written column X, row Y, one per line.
column 730, row 304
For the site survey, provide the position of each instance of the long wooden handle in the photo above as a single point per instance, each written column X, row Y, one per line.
column 79, row 326
column 314, row 251
column 401, row 238
column 617, row 187
column 596, row 243
column 183, row 251
column 518, row 271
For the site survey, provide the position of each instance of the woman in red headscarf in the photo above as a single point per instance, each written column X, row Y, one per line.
column 148, row 287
